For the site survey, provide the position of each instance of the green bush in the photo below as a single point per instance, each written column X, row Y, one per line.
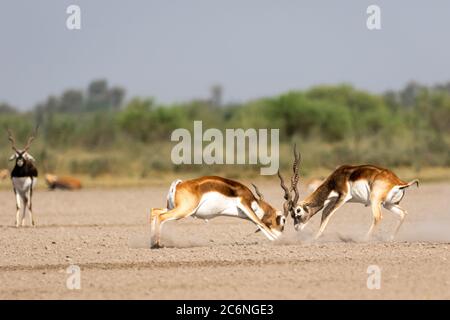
column 331, row 124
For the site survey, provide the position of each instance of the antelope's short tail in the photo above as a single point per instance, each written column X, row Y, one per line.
column 409, row 184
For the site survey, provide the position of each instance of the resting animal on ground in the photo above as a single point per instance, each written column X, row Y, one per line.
column 63, row 182
column 3, row 174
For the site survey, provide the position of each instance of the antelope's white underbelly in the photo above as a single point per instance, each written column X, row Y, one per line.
column 23, row 184
column 213, row 204
column 360, row 192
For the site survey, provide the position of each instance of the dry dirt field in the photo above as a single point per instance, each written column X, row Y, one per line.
column 105, row 232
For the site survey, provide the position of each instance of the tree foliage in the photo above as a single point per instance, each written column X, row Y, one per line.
column 409, row 127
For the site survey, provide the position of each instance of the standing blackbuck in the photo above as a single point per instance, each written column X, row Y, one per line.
column 23, row 176
column 212, row 196
column 366, row 184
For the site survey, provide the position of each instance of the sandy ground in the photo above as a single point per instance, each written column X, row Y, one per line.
column 105, row 232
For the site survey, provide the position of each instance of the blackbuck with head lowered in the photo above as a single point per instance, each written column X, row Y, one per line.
column 211, row 196
column 23, row 176
column 366, row 184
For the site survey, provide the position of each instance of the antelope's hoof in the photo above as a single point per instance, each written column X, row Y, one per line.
column 156, row 246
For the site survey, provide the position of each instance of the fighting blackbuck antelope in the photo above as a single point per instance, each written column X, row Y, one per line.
column 23, row 176
column 212, row 196
column 366, row 184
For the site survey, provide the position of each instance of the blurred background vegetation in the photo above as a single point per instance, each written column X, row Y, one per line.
column 101, row 135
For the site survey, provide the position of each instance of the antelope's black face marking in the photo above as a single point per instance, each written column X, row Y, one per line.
column 300, row 215
column 281, row 221
column 20, row 160
column 21, row 157
column 297, row 212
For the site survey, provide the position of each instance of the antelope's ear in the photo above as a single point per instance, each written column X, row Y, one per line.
column 13, row 157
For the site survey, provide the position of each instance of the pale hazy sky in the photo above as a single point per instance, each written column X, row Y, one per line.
column 175, row 50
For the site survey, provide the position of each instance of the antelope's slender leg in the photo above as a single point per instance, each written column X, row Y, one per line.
column 377, row 196
column 18, row 203
column 30, row 207
column 25, row 205
column 154, row 222
column 328, row 212
column 156, row 211
column 176, row 213
column 377, row 216
column 400, row 212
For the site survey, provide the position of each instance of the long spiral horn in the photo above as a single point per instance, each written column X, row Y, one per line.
column 31, row 138
column 295, row 178
column 11, row 138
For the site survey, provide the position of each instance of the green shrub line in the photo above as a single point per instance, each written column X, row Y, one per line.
column 95, row 133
